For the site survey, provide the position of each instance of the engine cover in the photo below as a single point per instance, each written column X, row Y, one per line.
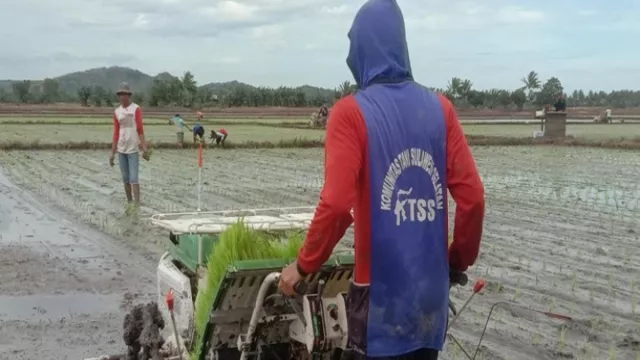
column 325, row 324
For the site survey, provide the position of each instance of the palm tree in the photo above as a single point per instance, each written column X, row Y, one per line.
column 345, row 88
column 454, row 86
column 531, row 83
column 465, row 88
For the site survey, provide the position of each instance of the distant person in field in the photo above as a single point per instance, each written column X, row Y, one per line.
column 324, row 112
column 198, row 133
column 219, row 136
column 178, row 121
column 200, row 116
column 561, row 104
column 393, row 152
column 128, row 141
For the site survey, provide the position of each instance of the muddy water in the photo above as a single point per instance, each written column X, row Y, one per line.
column 63, row 286
column 561, row 232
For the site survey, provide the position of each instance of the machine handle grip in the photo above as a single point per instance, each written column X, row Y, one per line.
column 458, row 278
column 301, row 287
column 169, row 300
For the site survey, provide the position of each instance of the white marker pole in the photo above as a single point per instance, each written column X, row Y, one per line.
column 200, row 161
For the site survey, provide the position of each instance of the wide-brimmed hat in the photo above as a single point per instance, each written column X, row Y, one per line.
column 124, row 88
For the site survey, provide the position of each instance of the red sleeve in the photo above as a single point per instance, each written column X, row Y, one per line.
column 344, row 153
column 139, row 126
column 116, row 129
column 467, row 190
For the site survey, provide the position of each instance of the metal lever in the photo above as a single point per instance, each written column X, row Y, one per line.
column 479, row 285
column 296, row 308
column 300, row 288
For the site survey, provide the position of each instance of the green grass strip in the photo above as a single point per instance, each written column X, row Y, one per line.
column 238, row 243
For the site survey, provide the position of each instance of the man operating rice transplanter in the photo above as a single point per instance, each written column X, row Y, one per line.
column 392, row 152
column 128, row 140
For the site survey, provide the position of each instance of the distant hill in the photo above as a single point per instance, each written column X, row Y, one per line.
column 110, row 77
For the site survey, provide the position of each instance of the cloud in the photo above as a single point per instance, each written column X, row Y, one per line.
column 586, row 12
column 519, row 15
column 272, row 42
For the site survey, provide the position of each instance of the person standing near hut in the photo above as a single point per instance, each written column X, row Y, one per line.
column 128, row 141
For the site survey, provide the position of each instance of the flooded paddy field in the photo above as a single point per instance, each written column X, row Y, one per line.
column 561, row 231
column 63, row 285
column 265, row 130
column 64, row 133
column 583, row 131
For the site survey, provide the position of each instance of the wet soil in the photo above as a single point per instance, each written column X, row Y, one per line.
column 63, row 286
column 561, row 232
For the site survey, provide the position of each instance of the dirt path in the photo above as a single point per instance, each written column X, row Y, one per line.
column 64, row 288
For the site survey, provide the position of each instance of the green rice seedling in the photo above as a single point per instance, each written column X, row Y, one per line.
column 238, row 243
column 573, row 282
column 612, row 282
column 455, row 352
column 634, row 297
column 586, row 350
column 612, row 352
column 536, row 340
column 563, row 338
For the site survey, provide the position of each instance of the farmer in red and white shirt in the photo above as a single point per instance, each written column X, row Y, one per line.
column 128, row 141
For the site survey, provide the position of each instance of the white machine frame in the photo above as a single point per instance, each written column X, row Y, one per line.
column 335, row 326
column 216, row 222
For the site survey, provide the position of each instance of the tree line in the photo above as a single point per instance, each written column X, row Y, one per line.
column 186, row 92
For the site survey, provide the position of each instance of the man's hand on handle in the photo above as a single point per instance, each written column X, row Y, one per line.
column 457, row 277
column 289, row 278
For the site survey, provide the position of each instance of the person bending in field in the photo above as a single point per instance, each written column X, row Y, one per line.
column 178, row 121
column 393, row 150
column 198, row 133
column 128, row 141
column 219, row 136
column 324, row 112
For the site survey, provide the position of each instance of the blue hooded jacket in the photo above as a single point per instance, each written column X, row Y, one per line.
column 406, row 147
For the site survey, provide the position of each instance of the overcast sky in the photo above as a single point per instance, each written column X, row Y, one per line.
column 586, row 43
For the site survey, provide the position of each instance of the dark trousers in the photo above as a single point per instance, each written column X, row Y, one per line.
column 422, row 354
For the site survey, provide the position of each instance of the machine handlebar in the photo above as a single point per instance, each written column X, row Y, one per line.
column 457, row 278
column 301, row 287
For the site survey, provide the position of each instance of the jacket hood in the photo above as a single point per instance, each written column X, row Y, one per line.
column 378, row 51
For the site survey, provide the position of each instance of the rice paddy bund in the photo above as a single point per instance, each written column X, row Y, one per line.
column 562, row 228
column 77, row 130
